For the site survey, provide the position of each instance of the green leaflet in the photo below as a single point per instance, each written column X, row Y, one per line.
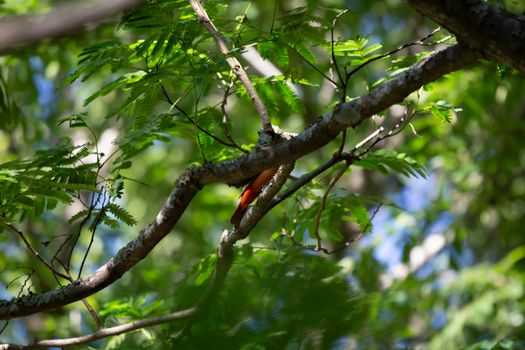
column 383, row 160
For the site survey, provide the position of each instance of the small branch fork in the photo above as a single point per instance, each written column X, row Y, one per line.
column 421, row 41
column 349, row 158
column 35, row 252
column 344, row 82
column 233, row 62
column 67, row 276
column 225, row 118
column 317, row 247
column 174, row 104
column 332, row 42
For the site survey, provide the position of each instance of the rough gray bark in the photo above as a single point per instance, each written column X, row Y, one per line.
column 498, row 34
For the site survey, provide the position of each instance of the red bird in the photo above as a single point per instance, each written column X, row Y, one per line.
column 250, row 193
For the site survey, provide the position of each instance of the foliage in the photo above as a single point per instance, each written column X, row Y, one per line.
column 425, row 228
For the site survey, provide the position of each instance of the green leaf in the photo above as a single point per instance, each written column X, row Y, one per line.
column 47, row 192
column 110, row 222
column 289, row 96
column 504, row 72
column 382, row 160
column 80, row 215
column 441, row 112
column 121, row 214
column 305, row 51
column 349, row 46
column 356, row 49
column 114, row 85
column 161, row 41
column 75, row 120
column 358, row 214
column 205, row 269
column 274, row 51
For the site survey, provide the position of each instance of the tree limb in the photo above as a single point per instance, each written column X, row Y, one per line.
column 105, row 332
column 500, row 35
column 67, row 18
column 233, row 172
column 233, row 62
column 224, row 262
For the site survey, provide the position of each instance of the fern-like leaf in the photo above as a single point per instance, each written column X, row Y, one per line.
column 382, row 160
column 121, row 214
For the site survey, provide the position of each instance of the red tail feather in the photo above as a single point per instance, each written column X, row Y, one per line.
column 237, row 216
column 250, row 193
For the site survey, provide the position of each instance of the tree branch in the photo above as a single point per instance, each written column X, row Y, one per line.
column 105, row 332
column 67, row 18
column 499, row 34
column 125, row 259
column 233, row 62
column 233, row 172
column 222, row 267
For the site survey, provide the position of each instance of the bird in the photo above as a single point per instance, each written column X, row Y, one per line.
column 250, row 193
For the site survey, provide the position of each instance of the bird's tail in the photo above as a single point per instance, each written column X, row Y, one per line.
column 237, row 216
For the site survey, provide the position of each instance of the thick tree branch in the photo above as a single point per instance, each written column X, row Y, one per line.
column 233, row 172
column 105, row 332
column 24, row 30
column 224, row 262
column 500, row 35
column 233, row 62
column 126, row 258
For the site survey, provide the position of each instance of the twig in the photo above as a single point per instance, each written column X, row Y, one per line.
column 87, row 305
column 225, row 117
column 343, row 142
column 389, row 53
column 313, row 66
column 93, row 313
column 334, row 60
column 35, row 252
column 94, row 226
column 336, row 158
column 349, row 159
column 4, row 326
column 28, row 277
column 66, row 264
column 317, row 248
column 324, row 199
column 274, row 15
column 369, row 137
column 396, row 129
column 184, row 113
column 306, row 178
column 233, row 62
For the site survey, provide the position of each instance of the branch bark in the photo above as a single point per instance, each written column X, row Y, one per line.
column 500, row 35
column 24, row 30
column 105, row 332
column 233, row 172
column 222, row 267
column 234, row 64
